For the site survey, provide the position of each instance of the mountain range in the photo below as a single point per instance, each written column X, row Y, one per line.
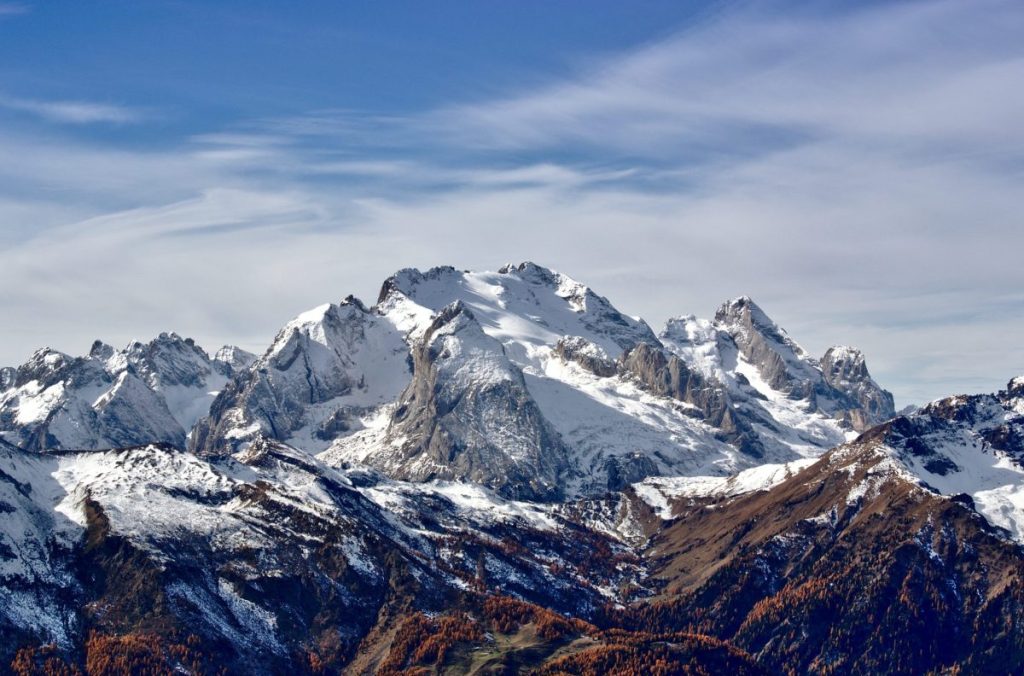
column 500, row 472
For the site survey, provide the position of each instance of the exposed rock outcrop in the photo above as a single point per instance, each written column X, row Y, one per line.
column 467, row 415
column 670, row 376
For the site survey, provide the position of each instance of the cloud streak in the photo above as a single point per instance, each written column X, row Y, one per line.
column 73, row 112
column 13, row 9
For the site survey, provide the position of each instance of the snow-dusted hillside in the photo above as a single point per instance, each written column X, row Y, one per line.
column 968, row 447
column 238, row 548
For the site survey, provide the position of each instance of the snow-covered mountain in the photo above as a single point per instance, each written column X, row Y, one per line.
column 146, row 393
column 271, row 553
column 488, row 471
column 324, row 372
column 525, row 373
column 523, row 380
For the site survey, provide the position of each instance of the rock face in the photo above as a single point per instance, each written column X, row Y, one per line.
column 467, row 415
column 757, row 360
column 670, row 376
column 846, row 372
column 152, row 392
column 782, row 364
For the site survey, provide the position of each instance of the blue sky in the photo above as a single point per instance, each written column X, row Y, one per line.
column 216, row 167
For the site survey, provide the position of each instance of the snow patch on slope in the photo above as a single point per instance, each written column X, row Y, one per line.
column 661, row 492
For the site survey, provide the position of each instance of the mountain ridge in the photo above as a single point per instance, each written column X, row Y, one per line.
column 500, row 470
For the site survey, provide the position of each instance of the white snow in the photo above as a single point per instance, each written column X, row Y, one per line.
column 471, row 501
column 661, row 492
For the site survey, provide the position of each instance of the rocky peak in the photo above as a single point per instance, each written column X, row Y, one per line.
column 529, row 268
column 101, row 351
column 170, row 360
column 742, row 313
column 148, row 392
column 324, row 369
column 781, row 362
column 234, row 357
column 407, row 279
column 845, row 370
column 1015, row 388
column 538, row 275
column 42, row 366
column 450, row 319
column 842, row 363
column 355, row 302
column 7, row 375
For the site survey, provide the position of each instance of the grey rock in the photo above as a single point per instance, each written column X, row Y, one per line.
column 467, row 415
column 108, row 398
column 838, row 386
column 232, row 359
column 846, row 372
column 170, row 360
column 781, row 362
column 586, row 354
column 669, row 376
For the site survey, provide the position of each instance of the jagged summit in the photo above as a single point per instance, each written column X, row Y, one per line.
column 408, row 386
column 526, row 305
column 1015, row 388
column 324, row 370
column 235, row 357
column 764, row 368
column 146, row 393
column 101, row 350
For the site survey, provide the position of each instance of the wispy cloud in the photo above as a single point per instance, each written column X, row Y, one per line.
column 914, row 76
column 74, row 112
column 858, row 172
column 13, row 9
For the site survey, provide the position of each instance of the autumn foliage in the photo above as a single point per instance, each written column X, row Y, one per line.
column 45, row 660
column 424, row 641
column 507, row 615
column 105, row 655
column 650, row 659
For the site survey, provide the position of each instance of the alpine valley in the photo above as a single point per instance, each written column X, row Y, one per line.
column 501, row 473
